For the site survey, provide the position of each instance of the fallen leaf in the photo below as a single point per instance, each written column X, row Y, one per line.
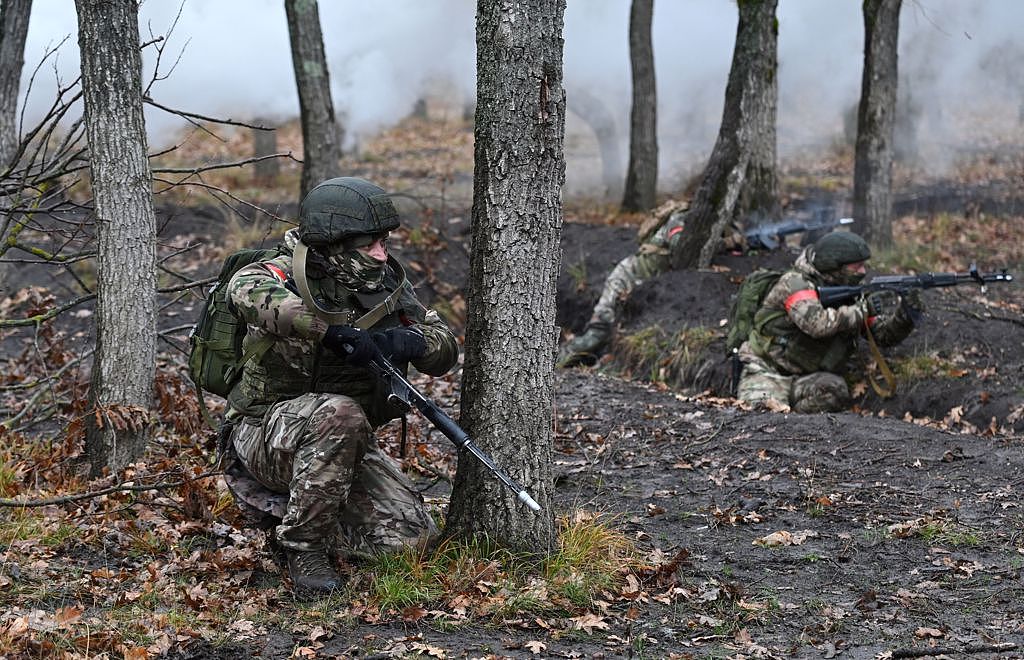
column 434, row 651
column 535, row 646
column 588, row 622
column 923, row 633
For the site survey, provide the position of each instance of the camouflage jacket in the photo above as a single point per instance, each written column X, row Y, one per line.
column 296, row 362
column 794, row 333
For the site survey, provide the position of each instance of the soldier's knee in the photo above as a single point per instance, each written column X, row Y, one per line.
column 337, row 415
column 820, row 392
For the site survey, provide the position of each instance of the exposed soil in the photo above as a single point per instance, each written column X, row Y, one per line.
column 851, row 535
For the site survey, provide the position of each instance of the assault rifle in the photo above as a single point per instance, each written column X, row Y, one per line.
column 404, row 395
column 835, row 296
column 768, row 237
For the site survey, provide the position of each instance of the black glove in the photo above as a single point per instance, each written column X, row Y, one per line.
column 401, row 344
column 883, row 303
column 353, row 344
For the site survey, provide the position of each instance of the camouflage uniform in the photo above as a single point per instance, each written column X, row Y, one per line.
column 797, row 348
column 652, row 258
column 304, row 419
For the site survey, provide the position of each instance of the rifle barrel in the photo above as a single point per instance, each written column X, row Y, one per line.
column 451, row 429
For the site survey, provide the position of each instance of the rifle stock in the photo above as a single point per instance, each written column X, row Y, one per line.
column 836, row 296
column 403, row 392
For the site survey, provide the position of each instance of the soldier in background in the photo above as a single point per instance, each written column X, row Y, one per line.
column 658, row 237
column 306, row 462
column 798, row 350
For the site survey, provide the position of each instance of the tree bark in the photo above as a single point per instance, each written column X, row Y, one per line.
column 321, row 135
column 124, row 362
column 642, row 173
column 740, row 182
column 264, row 143
column 595, row 112
column 876, row 119
column 511, row 336
column 14, row 15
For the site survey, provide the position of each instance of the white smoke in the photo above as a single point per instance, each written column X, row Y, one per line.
column 959, row 62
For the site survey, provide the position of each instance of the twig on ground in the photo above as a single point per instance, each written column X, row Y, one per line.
column 948, row 650
column 121, row 487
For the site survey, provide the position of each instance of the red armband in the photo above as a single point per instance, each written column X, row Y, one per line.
column 803, row 294
column 276, row 271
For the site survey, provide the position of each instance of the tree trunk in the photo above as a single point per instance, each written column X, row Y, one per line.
column 595, row 112
column 14, row 16
column 321, row 135
column 740, row 181
column 124, row 362
column 642, row 174
column 264, row 143
column 511, row 336
column 872, row 173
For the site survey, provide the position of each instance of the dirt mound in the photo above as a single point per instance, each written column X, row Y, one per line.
column 962, row 365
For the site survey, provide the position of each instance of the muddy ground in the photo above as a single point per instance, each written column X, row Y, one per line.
column 850, row 535
column 853, row 535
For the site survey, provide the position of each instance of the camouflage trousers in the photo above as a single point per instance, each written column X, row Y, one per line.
column 650, row 260
column 820, row 391
column 334, row 487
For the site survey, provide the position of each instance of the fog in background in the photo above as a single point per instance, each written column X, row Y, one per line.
column 960, row 61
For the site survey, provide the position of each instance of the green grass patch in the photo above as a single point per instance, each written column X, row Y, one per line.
column 578, row 272
column 944, row 532
column 591, row 557
column 661, row 357
column 23, row 525
column 925, row 365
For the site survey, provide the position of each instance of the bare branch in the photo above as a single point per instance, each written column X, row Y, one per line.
column 123, row 487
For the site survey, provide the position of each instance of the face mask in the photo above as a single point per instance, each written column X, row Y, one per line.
column 358, row 271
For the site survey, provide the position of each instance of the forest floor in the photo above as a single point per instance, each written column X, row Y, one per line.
column 894, row 530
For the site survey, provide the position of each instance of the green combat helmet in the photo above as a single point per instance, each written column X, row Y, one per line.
column 835, row 250
column 340, row 208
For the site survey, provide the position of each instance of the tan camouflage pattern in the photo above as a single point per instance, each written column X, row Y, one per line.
column 660, row 233
column 357, row 270
column 807, row 322
column 793, row 357
column 304, row 419
column 342, row 492
column 820, row 391
column 651, row 259
column 287, row 368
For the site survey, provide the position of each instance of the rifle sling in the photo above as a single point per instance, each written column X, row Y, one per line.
column 367, row 320
column 883, row 366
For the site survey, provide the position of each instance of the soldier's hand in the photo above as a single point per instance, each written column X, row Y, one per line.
column 401, row 344
column 883, row 303
column 353, row 344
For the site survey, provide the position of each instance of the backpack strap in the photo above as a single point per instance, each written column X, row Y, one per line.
column 382, row 309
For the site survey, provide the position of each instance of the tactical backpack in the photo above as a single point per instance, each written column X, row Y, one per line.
column 215, row 357
column 748, row 300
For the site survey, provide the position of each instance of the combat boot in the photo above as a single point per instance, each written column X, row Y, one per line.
column 586, row 348
column 312, row 571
